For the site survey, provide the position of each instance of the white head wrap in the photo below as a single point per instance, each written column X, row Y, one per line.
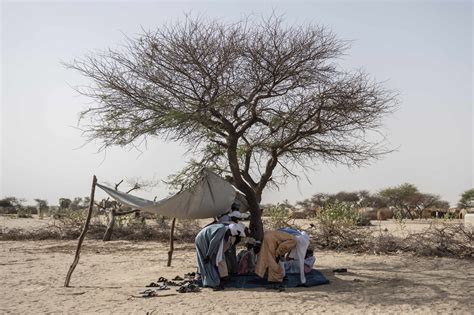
column 238, row 214
column 237, row 229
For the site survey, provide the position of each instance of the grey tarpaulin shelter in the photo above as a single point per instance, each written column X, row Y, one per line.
column 210, row 197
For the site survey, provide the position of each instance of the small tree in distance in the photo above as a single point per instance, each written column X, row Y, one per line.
column 64, row 203
column 254, row 100
column 42, row 207
column 410, row 202
column 467, row 199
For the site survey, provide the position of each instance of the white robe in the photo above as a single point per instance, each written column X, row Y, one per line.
column 299, row 252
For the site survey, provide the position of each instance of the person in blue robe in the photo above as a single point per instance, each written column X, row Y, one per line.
column 208, row 242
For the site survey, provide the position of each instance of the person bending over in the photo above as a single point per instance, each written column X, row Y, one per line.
column 274, row 246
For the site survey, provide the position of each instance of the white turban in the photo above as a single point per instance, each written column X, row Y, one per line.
column 237, row 229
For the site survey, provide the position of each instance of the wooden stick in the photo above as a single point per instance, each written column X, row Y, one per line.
column 170, row 252
column 110, row 227
column 83, row 234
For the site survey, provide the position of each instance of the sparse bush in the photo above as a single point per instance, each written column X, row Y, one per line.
column 305, row 213
column 24, row 212
column 69, row 219
column 8, row 210
column 279, row 217
column 341, row 213
column 443, row 239
column 363, row 220
column 140, row 233
column 186, row 230
column 337, row 227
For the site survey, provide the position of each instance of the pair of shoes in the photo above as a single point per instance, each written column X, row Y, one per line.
column 177, row 278
column 152, row 285
column 174, row 284
column 189, row 287
column 163, row 286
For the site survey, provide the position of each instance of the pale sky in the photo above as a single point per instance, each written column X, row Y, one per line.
column 423, row 50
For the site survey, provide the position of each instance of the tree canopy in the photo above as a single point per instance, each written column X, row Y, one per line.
column 467, row 199
column 410, row 202
column 254, row 99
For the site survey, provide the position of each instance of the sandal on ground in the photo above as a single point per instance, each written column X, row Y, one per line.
column 172, row 283
column 148, row 293
column 161, row 279
column 177, row 278
column 152, row 285
column 163, row 287
column 188, row 288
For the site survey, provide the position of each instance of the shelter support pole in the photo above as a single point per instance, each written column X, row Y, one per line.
column 110, row 227
column 170, row 252
column 83, row 234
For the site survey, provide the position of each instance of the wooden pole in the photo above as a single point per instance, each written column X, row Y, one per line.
column 110, row 227
column 170, row 252
column 83, row 234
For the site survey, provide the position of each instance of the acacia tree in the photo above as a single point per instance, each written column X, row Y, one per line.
column 253, row 100
column 467, row 199
column 42, row 207
column 410, row 202
column 362, row 198
column 64, row 203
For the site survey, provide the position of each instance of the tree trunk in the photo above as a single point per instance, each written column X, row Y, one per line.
column 256, row 224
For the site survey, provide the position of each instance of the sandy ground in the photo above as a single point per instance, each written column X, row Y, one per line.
column 110, row 275
column 11, row 222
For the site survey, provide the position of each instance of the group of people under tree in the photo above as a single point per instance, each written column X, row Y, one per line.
column 282, row 251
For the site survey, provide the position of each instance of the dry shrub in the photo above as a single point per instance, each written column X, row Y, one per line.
column 339, row 236
column 21, row 235
column 384, row 214
column 303, row 214
column 135, row 232
column 186, row 230
column 369, row 213
column 8, row 210
column 443, row 240
column 382, row 242
column 279, row 217
column 68, row 224
column 455, row 240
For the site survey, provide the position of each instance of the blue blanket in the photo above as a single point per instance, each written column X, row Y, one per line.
column 313, row 278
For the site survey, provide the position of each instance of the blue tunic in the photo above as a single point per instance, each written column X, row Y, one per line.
column 207, row 244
